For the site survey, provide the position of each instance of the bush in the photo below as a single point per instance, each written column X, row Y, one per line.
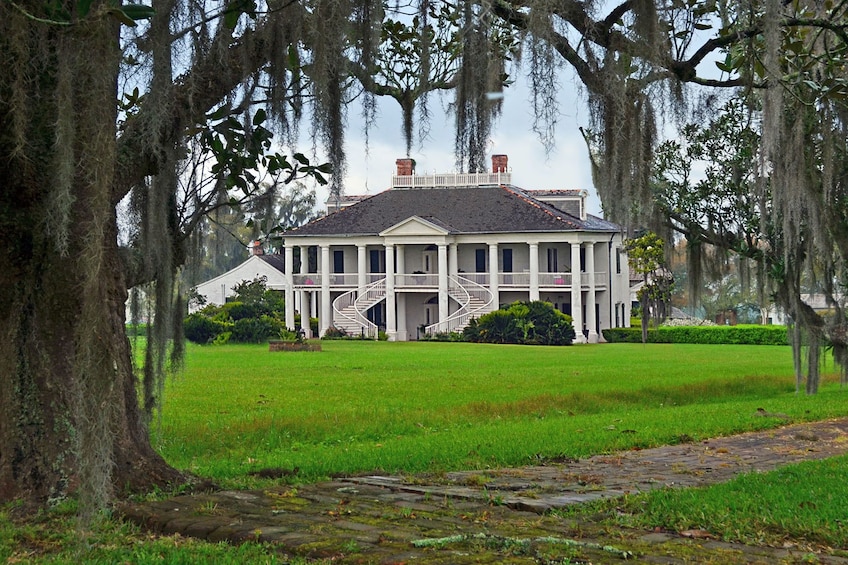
column 256, row 330
column 200, row 329
column 239, row 310
column 530, row 323
column 742, row 335
column 334, row 333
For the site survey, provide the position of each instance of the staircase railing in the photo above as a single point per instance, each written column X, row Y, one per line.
column 474, row 299
column 357, row 302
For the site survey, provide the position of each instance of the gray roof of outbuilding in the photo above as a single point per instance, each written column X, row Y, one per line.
column 485, row 209
column 275, row 260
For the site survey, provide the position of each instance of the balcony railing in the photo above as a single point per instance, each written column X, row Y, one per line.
column 413, row 281
column 416, row 280
column 450, row 180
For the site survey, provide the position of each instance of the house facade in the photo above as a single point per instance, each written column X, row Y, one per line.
column 434, row 251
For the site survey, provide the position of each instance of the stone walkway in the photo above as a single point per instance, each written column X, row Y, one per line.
column 498, row 516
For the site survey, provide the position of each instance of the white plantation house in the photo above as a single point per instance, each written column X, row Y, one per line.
column 434, row 251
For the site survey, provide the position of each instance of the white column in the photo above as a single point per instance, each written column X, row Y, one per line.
column 493, row 273
column 304, row 298
column 453, row 259
column 391, row 307
column 591, row 317
column 305, row 312
column 576, row 294
column 400, row 262
column 361, row 267
column 288, row 258
column 443, row 282
column 326, row 305
column 402, row 331
column 534, row 271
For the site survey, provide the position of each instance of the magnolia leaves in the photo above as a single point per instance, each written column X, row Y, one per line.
column 55, row 12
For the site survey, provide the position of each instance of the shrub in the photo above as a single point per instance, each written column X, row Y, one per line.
column 289, row 335
column 531, row 323
column 742, row 335
column 334, row 333
column 256, row 330
column 200, row 329
column 240, row 310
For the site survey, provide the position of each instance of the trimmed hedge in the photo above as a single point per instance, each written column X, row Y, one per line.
column 741, row 335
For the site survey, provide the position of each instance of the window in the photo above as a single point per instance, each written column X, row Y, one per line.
column 507, row 260
column 480, row 260
column 582, row 259
column 338, row 261
column 552, row 260
column 375, row 261
column 618, row 260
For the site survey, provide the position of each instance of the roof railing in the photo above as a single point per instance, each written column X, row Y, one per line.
column 448, row 180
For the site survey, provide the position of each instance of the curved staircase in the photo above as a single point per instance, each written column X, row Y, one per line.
column 349, row 309
column 474, row 300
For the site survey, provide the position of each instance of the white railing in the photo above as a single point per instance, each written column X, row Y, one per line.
column 475, row 299
column 349, row 308
column 341, row 306
column 373, row 293
column 554, row 279
column 518, row 280
column 411, row 281
column 416, row 280
column 307, row 279
column 476, row 278
column 445, row 180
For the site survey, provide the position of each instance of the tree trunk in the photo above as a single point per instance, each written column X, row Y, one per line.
column 69, row 415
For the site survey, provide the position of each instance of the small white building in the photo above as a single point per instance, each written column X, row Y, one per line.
column 257, row 265
column 434, row 251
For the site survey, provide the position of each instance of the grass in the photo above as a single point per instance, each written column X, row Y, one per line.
column 429, row 407
column 797, row 504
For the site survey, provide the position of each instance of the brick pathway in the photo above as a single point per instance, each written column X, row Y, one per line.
column 496, row 516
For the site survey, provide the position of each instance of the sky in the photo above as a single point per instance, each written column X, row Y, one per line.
column 565, row 167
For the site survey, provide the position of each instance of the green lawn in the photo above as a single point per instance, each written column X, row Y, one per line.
column 413, row 407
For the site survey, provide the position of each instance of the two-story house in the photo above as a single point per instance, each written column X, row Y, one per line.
column 434, row 251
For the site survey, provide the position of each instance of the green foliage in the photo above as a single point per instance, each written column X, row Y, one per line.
column 256, row 316
column 454, row 337
column 256, row 330
column 529, row 323
column 289, row 335
column 313, row 323
column 646, row 255
column 202, row 329
column 743, row 335
column 334, row 333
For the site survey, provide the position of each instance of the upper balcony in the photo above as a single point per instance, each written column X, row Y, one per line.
column 429, row 282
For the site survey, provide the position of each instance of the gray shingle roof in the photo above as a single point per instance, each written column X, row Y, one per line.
column 276, row 261
column 485, row 209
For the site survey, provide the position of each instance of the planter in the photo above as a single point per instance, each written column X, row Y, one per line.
column 279, row 345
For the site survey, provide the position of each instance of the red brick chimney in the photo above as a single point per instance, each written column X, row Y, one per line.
column 256, row 248
column 499, row 163
column 405, row 167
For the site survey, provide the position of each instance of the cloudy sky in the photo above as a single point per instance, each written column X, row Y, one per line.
column 567, row 166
